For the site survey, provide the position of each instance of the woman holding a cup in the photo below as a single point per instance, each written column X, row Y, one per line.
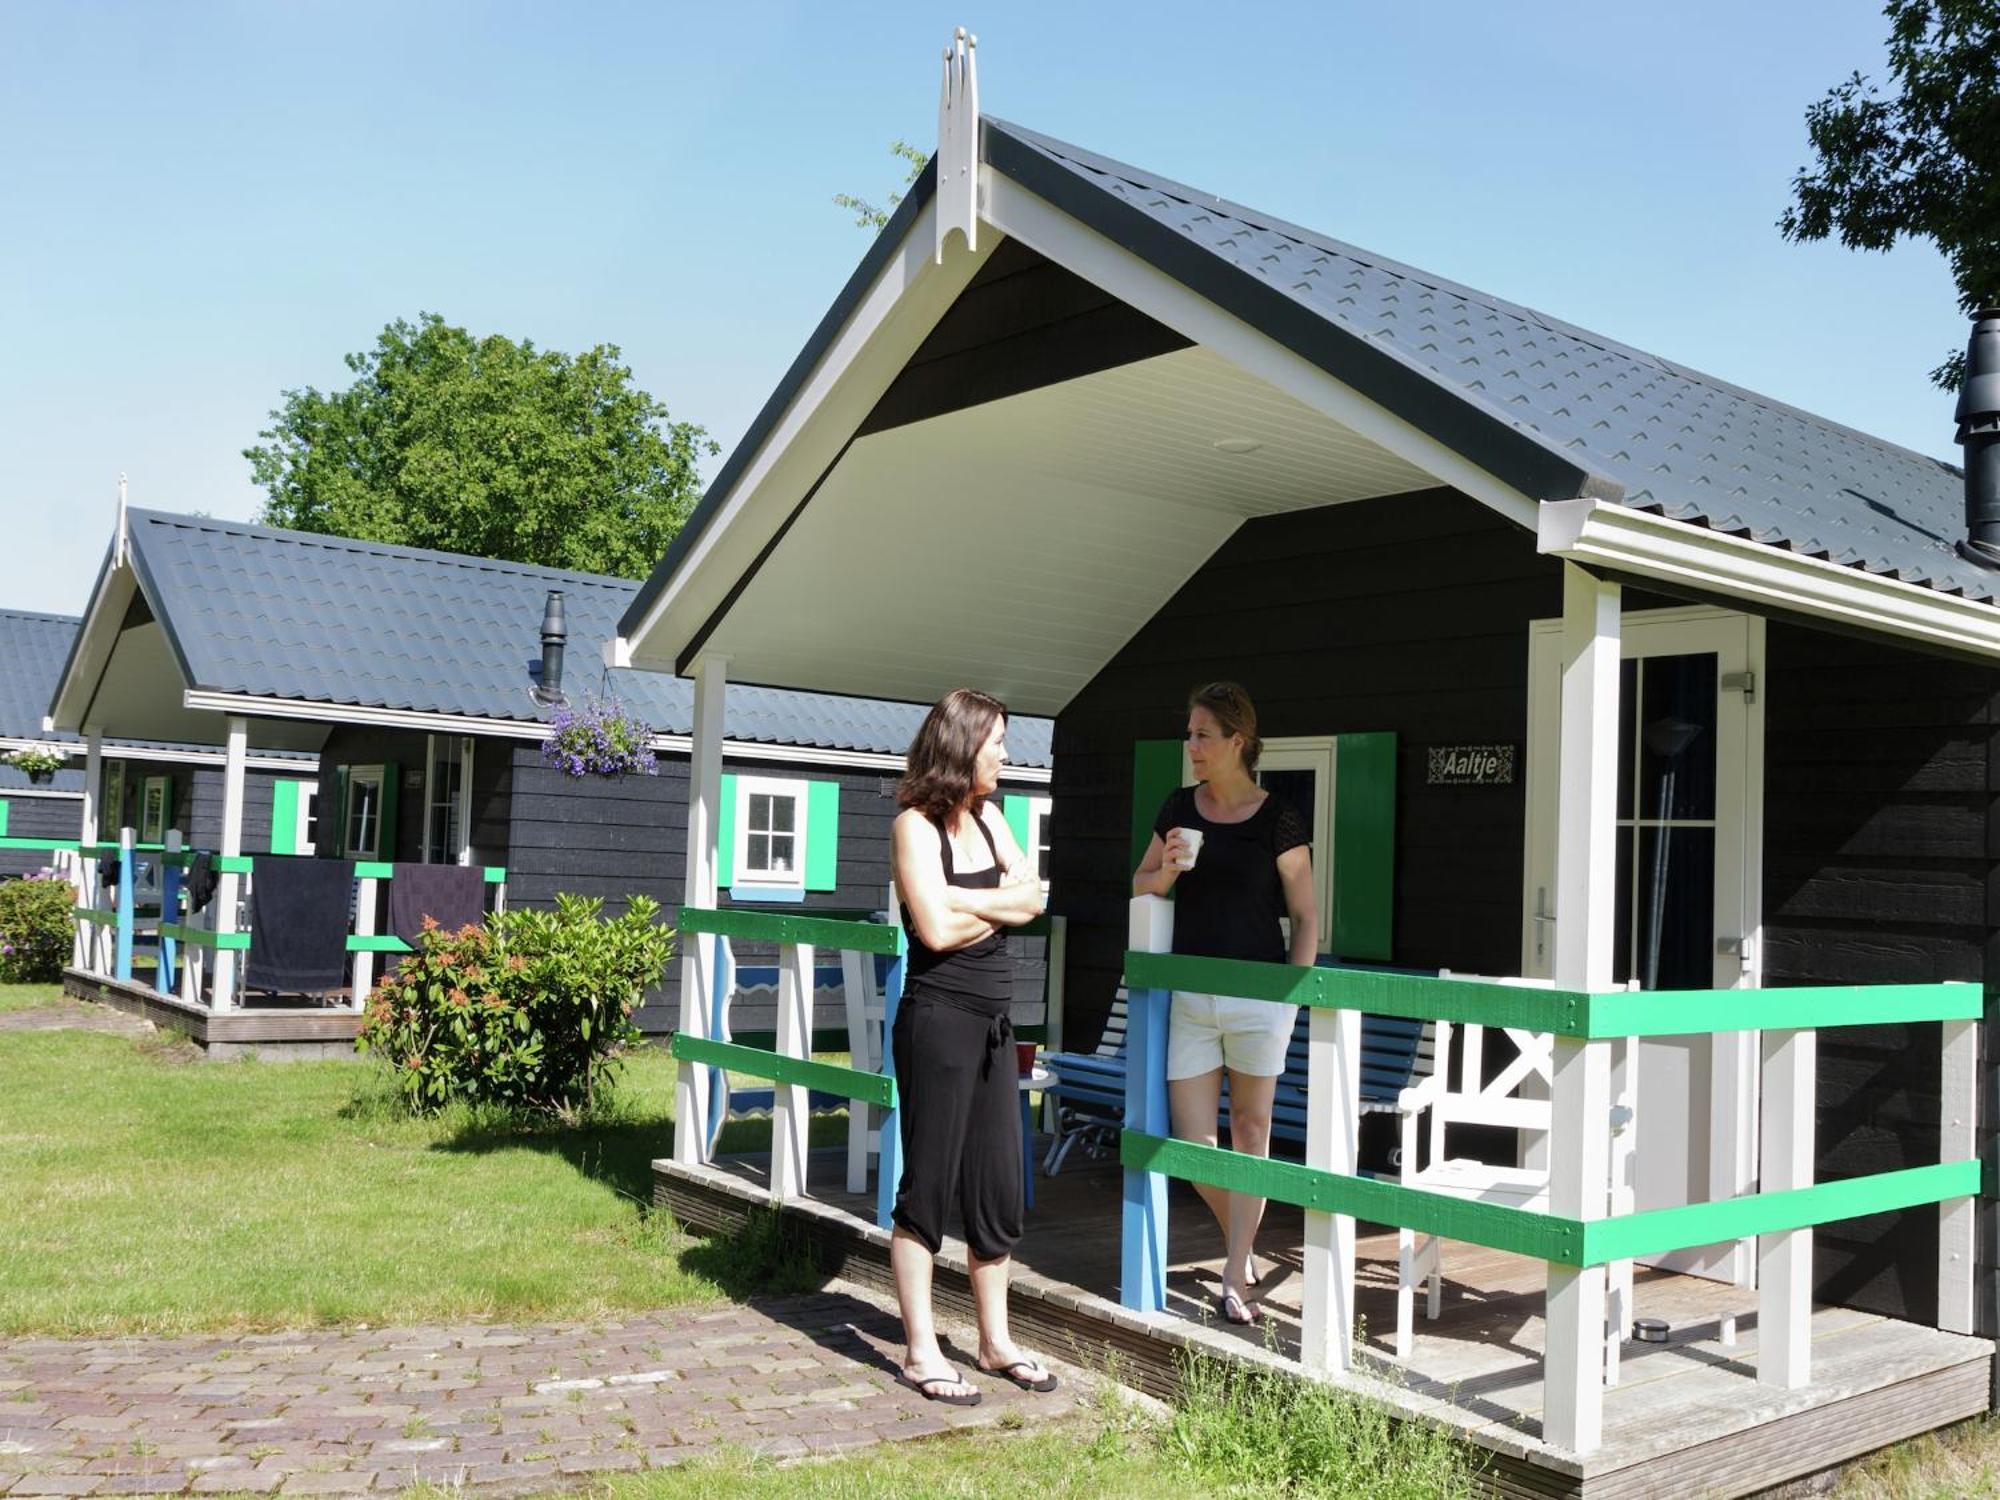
column 1239, row 862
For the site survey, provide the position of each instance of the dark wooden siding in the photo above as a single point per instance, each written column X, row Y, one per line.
column 1408, row 614
column 46, row 816
column 197, row 802
column 1878, row 866
column 366, row 746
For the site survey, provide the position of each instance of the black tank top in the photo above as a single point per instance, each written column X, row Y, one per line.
column 979, row 978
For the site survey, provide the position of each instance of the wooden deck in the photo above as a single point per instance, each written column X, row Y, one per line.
column 1687, row 1417
column 272, row 1032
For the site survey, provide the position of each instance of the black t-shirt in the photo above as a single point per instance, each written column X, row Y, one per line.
column 1230, row 904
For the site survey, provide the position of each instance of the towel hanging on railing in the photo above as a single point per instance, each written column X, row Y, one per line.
column 298, row 924
column 455, row 895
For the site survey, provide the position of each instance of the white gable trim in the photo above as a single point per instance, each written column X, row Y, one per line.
column 1616, row 537
column 893, row 318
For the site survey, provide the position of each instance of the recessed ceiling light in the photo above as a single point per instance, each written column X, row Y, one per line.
column 1237, row 445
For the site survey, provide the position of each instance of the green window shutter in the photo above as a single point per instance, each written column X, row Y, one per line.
column 284, row 817
column 3, row 818
column 386, row 842
column 1364, row 846
column 725, row 836
column 822, row 835
column 1156, row 771
column 1016, row 809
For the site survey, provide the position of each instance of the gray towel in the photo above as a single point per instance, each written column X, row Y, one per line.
column 298, row 924
column 454, row 894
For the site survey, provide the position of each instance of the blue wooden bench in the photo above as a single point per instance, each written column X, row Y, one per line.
column 1090, row 1086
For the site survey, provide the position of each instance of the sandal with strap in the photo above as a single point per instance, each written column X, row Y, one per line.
column 1042, row 1381
column 1236, row 1310
column 926, row 1387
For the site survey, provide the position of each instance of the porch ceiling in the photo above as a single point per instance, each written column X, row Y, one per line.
column 139, row 698
column 1076, row 511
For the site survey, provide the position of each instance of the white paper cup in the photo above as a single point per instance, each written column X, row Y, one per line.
column 1192, row 837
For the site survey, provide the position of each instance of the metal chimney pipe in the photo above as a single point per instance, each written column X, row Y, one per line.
column 1979, row 434
column 555, row 635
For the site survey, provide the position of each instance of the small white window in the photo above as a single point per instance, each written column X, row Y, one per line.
column 445, row 793
column 306, row 830
column 364, row 812
column 770, row 831
column 1038, row 839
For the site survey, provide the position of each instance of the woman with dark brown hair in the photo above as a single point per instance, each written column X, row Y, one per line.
column 1240, row 862
column 962, row 879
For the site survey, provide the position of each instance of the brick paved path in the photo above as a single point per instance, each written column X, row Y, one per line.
column 502, row 1407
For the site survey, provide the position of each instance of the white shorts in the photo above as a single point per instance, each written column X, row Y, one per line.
column 1206, row 1032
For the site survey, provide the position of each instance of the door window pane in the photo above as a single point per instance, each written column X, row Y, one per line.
column 1673, row 930
column 1677, row 709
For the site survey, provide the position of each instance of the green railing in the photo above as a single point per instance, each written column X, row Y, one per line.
column 789, row 1066
column 1570, row 1243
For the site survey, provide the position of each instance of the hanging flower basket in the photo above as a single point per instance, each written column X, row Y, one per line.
column 41, row 765
column 600, row 739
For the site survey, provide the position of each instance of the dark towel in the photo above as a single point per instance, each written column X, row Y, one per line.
column 454, row 894
column 298, row 924
column 201, row 880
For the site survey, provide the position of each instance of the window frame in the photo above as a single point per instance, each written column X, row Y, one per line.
column 376, row 776
column 742, row 872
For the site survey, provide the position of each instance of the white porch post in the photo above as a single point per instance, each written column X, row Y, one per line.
column 698, row 888
column 1784, row 1261
column 1586, row 880
column 229, row 884
column 1958, row 1141
column 1333, row 1133
column 93, row 797
column 791, row 1109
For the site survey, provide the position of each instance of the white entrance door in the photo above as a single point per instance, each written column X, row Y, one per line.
column 1689, row 854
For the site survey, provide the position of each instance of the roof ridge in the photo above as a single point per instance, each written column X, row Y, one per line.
column 1258, row 219
column 43, row 616
column 331, row 542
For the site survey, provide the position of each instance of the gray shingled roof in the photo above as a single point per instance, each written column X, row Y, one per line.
column 1677, row 441
column 320, row 619
column 33, row 648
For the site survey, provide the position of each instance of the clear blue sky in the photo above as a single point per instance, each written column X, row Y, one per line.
column 206, row 204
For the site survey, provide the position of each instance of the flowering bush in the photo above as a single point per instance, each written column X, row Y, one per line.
column 529, row 1011
column 600, row 740
column 40, row 764
column 36, row 925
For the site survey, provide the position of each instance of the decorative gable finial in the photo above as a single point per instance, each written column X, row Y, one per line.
column 124, row 530
column 958, row 144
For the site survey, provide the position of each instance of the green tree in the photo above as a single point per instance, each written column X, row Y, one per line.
column 486, row 446
column 1923, row 163
column 866, row 214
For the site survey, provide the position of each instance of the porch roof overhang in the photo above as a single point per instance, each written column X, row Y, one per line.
column 1019, row 543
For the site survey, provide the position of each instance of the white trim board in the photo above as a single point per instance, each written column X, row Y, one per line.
column 181, row 757
column 520, row 729
column 1597, row 534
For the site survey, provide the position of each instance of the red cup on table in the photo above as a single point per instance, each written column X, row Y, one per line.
column 1024, row 1057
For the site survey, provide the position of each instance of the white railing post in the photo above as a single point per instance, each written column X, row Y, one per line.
column 121, row 952
column 791, row 1104
column 364, row 927
column 1333, row 1131
column 1143, row 1244
column 83, row 950
column 229, row 884
column 698, row 888
column 857, row 988
column 1573, row 1369
column 1958, row 1141
column 1784, row 1261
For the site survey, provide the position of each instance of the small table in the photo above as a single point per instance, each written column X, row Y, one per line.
column 1036, row 1081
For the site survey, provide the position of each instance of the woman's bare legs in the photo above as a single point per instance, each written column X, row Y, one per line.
column 1194, row 1104
column 923, row 1360
column 1249, row 1132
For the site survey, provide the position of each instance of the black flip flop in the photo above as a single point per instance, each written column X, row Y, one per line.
column 1238, row 1310
column 1013, row 1373
column 923, row 1388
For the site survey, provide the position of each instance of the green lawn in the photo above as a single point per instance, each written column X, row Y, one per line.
column 148, row 1193
column 29, row 996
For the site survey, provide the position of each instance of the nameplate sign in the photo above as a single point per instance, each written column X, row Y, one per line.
column 1471, row 765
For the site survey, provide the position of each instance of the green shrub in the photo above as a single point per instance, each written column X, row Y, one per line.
column 528, row 1012
column 1273, row 1432
column 37, row 920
